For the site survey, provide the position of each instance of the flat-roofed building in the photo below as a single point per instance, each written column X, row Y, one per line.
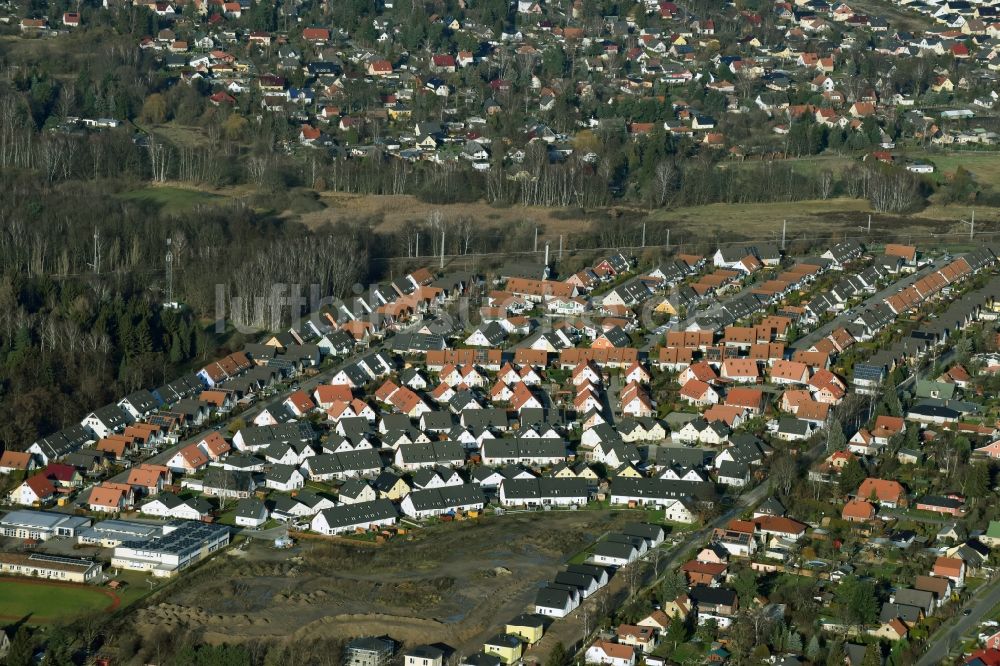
column 41, row 525
column 113, row 533
column 182, row 544
column 53, row 567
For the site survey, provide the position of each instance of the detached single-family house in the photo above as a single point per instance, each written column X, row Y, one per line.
column 251, row 512
column 610, row 654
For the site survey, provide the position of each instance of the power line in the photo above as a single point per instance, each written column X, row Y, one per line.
column 928, row 238
column 170, row 272
column 932, row 238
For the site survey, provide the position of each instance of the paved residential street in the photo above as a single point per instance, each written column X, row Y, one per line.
column 826, row 329
column 949, row 635
column 570, row 630
column 307, row 384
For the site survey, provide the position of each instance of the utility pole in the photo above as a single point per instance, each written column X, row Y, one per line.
column 560, row 249
column 417, row 252
column 442, row 246
column 784, row 224
column 170, row 272
column 97, row 252
column 668, row 238
column 536, row 239
column 869, row 223
column 644, row 234
column 972, row 224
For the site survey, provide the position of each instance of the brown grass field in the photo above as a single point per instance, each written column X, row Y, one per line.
column 835, row 217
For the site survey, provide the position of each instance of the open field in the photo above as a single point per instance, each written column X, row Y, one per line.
column 173, row 199
column 835, row 217
column 185, row 136
column 450, row 582
column 393, row 212
column 984, row 166
column 761, row 217
column 49, row 601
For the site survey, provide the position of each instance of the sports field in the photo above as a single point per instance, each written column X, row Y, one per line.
column 42, row 601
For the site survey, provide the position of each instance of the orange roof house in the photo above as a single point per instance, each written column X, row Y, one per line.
column 15, row 460
column 621, row 357
column 538, row 290
column 952, row 568
column 379, row 68
column 701, row 372
column 887, row 427
column 858, row 511
column 740, row 336
column 781, row 526
column 110, row 497
column 316, row 34
column 699, row 393
column 189, row 459
column 300, row 403
column 675, row 357
column 907, row 253
column 889, row 493
column 219, row 399
column 731, row 415
column 611, row 653
column 893, row 630
column 214, row 445
column 704, row 573
column 327, row 394
column 115, row 446
column 149, row 478
column 746, row 398
column 41, row 487
column 384, row 393
column 488, row 358
column 789, row 372
column 538, row 358
column 766, row 352
column 693, row 339
column 793, row 398
column 814, row 359
column 740, row 370
column 810, row 410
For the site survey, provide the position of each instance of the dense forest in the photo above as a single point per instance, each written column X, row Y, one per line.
column 74, row 335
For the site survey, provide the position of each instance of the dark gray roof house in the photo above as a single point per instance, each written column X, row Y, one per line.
column 443, row 499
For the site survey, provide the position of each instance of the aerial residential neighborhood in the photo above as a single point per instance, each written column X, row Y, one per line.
column 534, row 90
column 482, row 333
column 777, row 430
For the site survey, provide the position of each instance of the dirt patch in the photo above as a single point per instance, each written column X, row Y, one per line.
column 807, row 221
column 455, row 583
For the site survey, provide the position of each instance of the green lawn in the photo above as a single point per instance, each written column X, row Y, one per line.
column 173, row 199
column 972, row 584
column 48, row 603
column 227, row 517
column 686, row 653
column 985, row 166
